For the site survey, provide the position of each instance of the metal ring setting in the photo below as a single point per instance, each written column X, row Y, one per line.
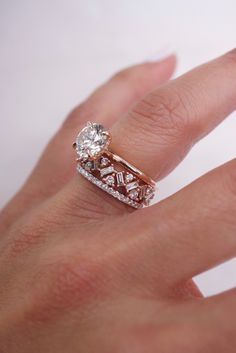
column 110, row 172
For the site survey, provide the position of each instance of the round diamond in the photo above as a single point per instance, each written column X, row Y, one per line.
column 89, row 165
column 109, row 180
column 129, row 177
column 149, row 190
column 91, row 141
column 133, row 194
column 104, row 162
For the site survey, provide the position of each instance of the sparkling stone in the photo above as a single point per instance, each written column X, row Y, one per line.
column 109, row 180
column 150, row 193
column 90, row 165
column 149, row 190
column 120, row 179
column 91, row 141
column 106, row 171
column 129, row 177
column 104, row 162
column 142, row 193
column 133, row 194
column 150, row 196
column 108, row 189
column 132, row 185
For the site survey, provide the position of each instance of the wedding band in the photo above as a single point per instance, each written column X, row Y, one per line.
column 110, row 172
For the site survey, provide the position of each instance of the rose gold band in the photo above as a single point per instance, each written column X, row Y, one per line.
column 119, row 178
column 110, row 172
column 132, row 169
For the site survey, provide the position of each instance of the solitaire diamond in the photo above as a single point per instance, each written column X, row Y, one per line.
column 91, row 141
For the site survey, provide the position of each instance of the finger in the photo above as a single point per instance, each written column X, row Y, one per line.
column 159, row 131
column 206, row 325
column 220, row 309
column 106, row 104
column 215, row 318
column 195, row 229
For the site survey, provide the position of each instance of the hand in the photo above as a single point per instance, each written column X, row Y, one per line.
column 82, row 272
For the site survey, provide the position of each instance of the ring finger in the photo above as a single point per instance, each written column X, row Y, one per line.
column 106, row 104
column 158, row 132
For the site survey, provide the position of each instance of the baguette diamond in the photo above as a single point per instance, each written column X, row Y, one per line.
column 108, row 189
column 120, row 179
column 132, row 186
column 106, row 171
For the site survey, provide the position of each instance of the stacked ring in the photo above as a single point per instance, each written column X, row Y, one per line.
column 110, row 172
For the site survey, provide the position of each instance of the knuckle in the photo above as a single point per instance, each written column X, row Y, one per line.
column 28, row 235
column 165, row 113
column 25, row 237
column 66, row 283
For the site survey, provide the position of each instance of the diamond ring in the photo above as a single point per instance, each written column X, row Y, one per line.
column 110, row 172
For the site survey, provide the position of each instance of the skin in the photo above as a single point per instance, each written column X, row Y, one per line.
column 82, row 272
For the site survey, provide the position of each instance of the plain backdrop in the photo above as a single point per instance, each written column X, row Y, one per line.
column 54, row 52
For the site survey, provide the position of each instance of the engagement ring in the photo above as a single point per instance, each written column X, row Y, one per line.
column 110, row 172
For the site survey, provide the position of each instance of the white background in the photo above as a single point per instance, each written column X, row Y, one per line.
column 53, row 53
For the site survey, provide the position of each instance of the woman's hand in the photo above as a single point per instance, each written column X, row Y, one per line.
column 82, row 272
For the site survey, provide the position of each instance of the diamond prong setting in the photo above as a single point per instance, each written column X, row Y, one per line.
column 92, row 141
column 108, row 171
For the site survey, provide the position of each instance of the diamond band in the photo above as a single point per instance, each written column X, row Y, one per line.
column 108, row 189
column 110, row 172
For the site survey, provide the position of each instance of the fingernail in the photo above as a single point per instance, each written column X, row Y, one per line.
column 161, row 55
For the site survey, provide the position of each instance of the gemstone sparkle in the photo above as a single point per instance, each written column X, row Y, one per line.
column 91, row 141
column 107, row 170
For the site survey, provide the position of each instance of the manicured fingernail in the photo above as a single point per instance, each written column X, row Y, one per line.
column 161, row 55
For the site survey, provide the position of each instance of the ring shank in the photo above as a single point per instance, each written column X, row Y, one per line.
column 130, row 167
column 110, row 172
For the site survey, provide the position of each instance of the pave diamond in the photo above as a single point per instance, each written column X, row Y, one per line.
column 91, row 141
column 108, row 189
